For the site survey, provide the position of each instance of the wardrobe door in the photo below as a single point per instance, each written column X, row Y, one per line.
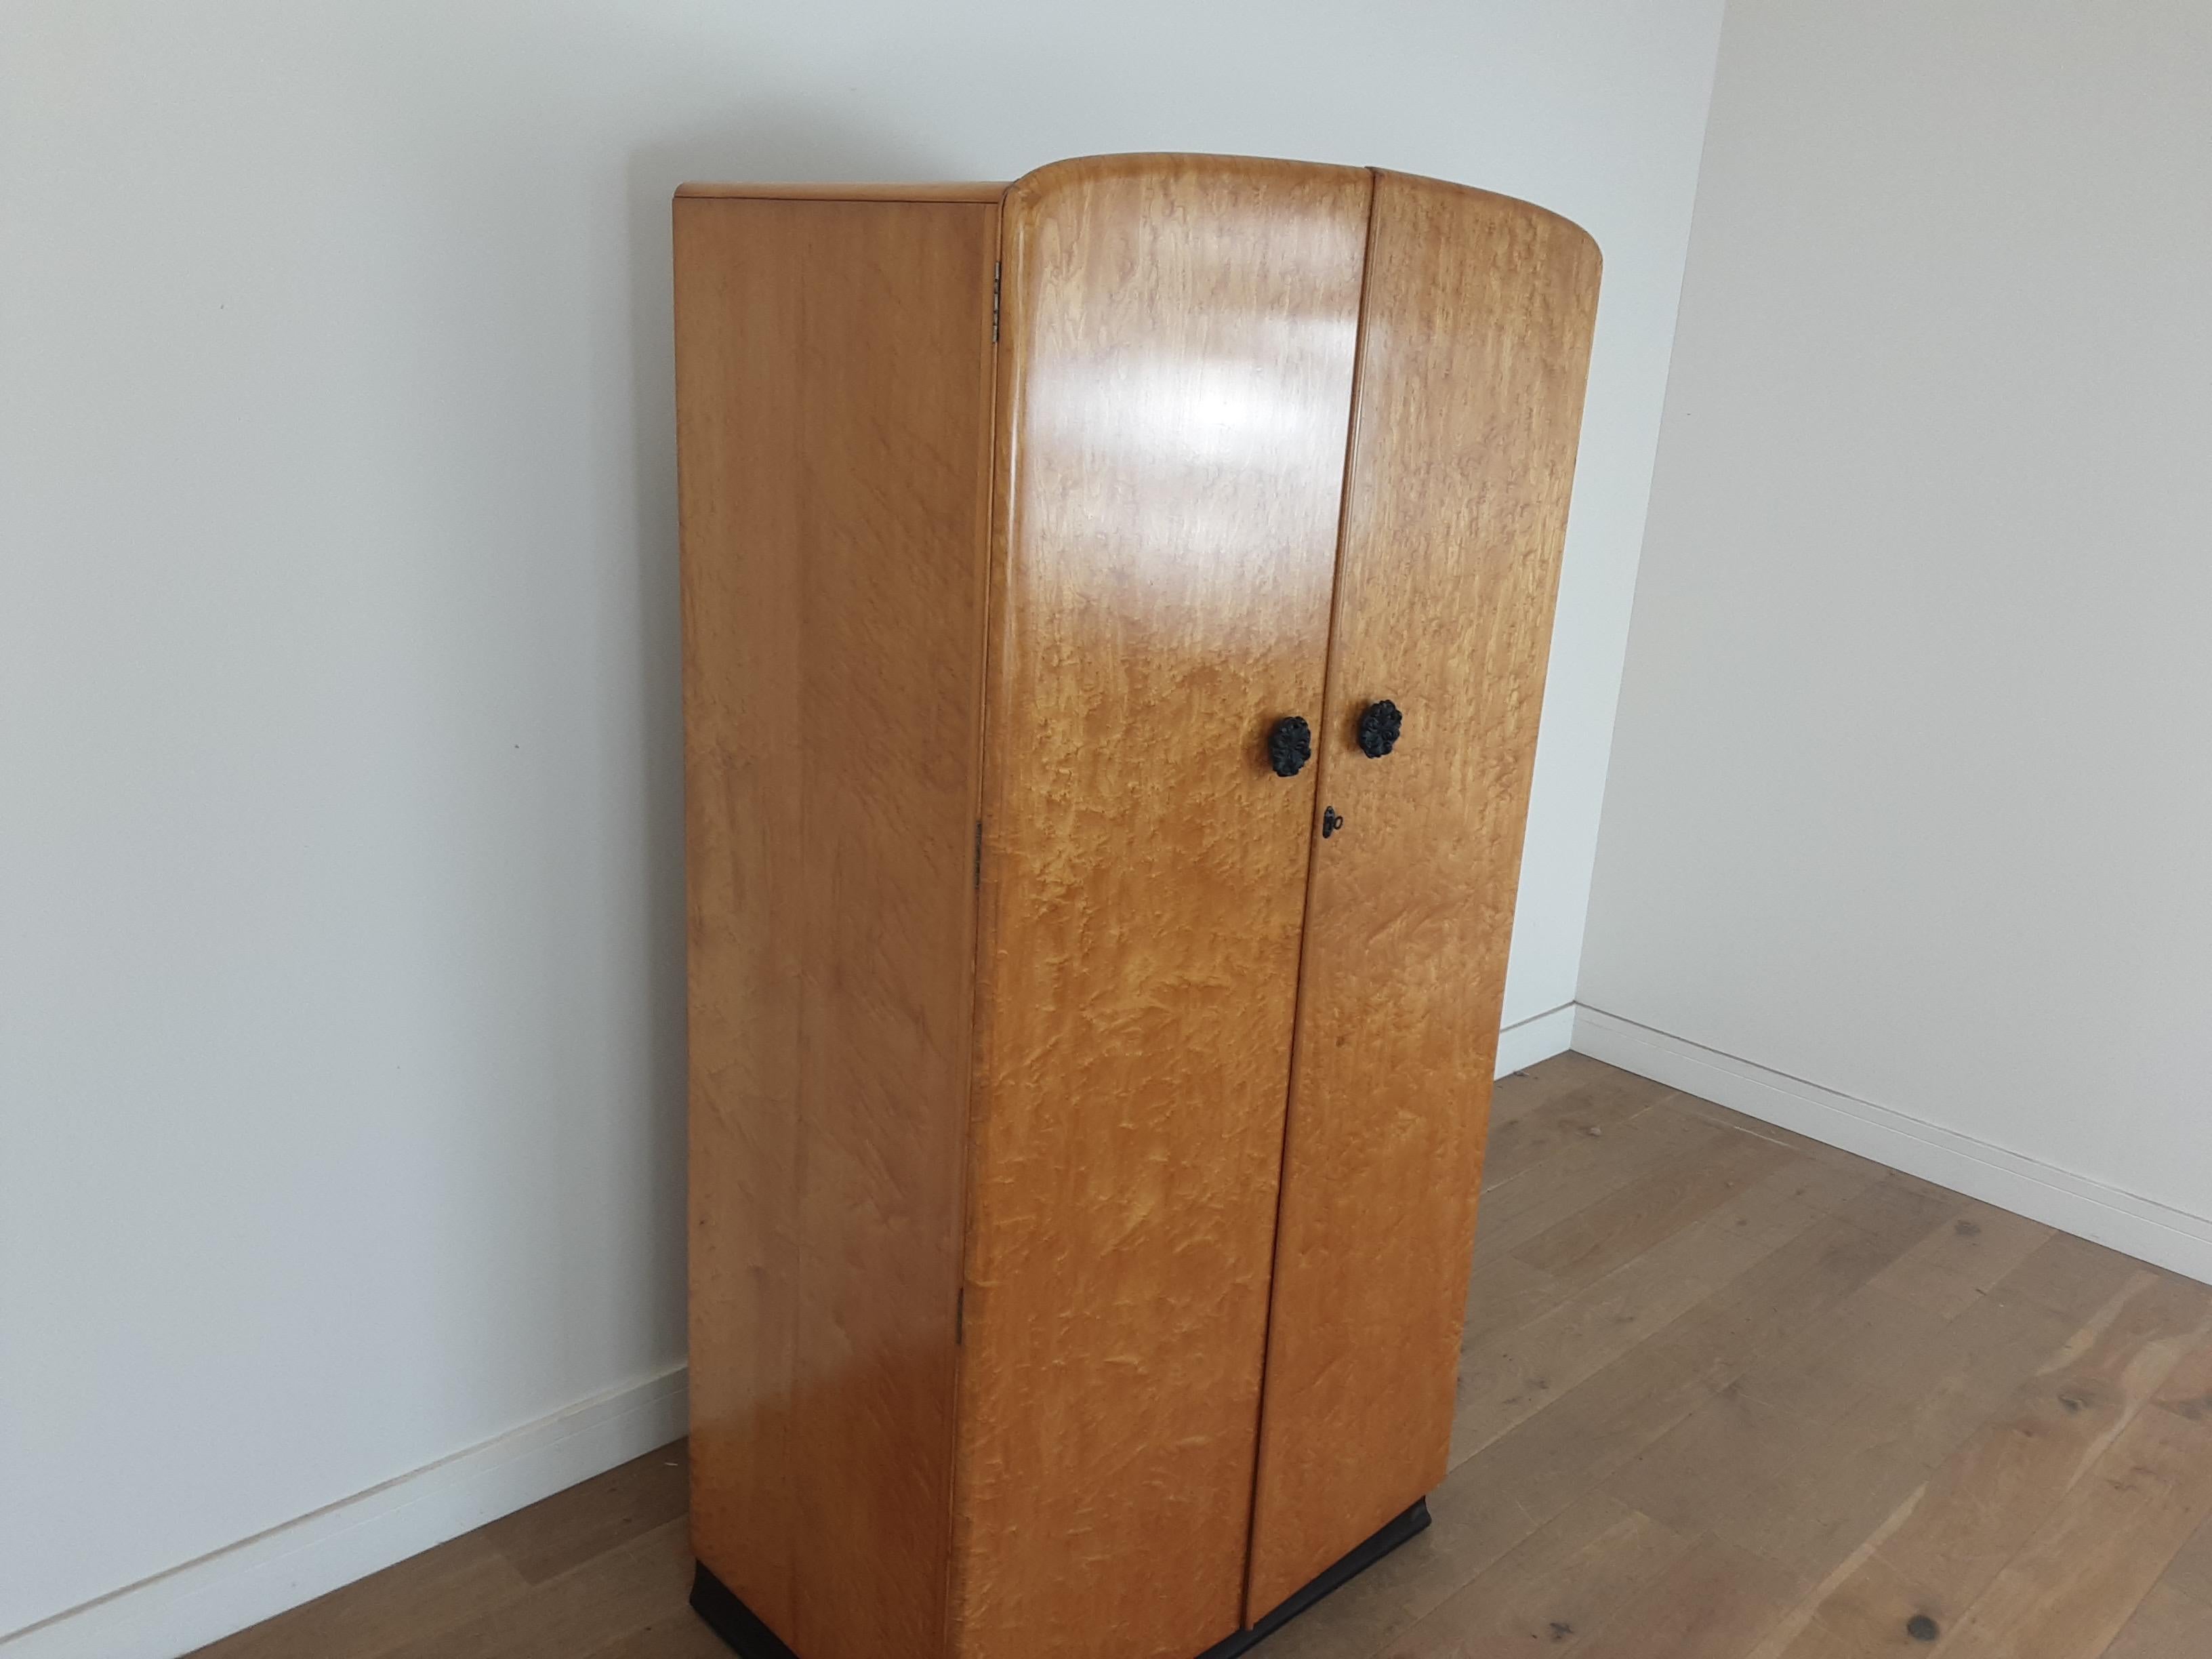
column 1476, row 338
column 1175, row 382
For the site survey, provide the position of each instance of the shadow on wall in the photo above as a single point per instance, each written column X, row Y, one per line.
column 768, row 143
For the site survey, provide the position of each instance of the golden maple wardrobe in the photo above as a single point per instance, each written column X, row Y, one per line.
column 1114, row 617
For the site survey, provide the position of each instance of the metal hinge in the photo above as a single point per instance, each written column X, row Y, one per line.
column 995, row 305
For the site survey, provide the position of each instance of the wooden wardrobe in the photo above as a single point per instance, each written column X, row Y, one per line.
column 1115, row 608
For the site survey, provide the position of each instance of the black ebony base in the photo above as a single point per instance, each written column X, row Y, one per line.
column 1355, row 1562
column 738, row 1624
column 732, row 1620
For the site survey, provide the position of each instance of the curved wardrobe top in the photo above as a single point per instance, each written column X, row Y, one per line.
column 986, row 191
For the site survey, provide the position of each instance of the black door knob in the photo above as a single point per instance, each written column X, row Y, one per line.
column 1331, row 822
column 1379, row 728
column 1289, row 746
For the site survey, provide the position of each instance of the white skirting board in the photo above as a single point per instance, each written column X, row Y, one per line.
column 193, row 1605
column 2140, row 1227
column 1525, row 1041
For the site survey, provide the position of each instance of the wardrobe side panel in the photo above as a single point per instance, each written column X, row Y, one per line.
column 1177, row 382
column 1474, row 343
column 833, row 390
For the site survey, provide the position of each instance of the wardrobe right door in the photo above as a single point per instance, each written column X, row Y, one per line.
column 1474, row 341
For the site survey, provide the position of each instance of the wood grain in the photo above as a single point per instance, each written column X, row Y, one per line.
column 1948, row 1539
column 1580, row 1173
column 1583, row 1249
column 1474, row 343
column 2071, row 1590
column 1179, row 337
column 1507, row 1378
column 2166, row 1624
column 1960, row 1263
column 424, row 1595
column 1712, row 1604
column 1552, row 1592
column 2191, row 1572
column 1580, row 1117
column 834, row 383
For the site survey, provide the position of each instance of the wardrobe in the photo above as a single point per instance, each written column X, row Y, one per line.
column 1115, row 608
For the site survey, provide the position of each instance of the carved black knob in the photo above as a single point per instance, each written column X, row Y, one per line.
column 1289, row 746
column 1378, row 729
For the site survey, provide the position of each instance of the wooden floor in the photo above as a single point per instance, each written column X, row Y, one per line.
column 1727, row 1394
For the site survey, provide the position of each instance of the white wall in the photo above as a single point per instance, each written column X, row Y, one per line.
column 1911, row 796
column 340, row 898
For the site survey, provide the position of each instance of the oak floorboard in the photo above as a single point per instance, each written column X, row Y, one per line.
column 1549, row 1082
column 547, row 1540
column 1506, row 1381
column 1553, row 1590
column 423, row 1595
column 1587, row 1170
column 1714, row 1604
column 1506, row 1296
column 1550, row 1125
column 1946, row 1542
column 2080, row 1579
column 1964, row 1259
column 2166, row 1624
column 2191, row 1572
column 612, row 1595
column 1650, row 1210
column 1725, row 1394
column 678, row 1634
column 1711, row 1112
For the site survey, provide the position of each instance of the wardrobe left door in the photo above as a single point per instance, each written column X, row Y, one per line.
column 833, row 386
column 1175, row 382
